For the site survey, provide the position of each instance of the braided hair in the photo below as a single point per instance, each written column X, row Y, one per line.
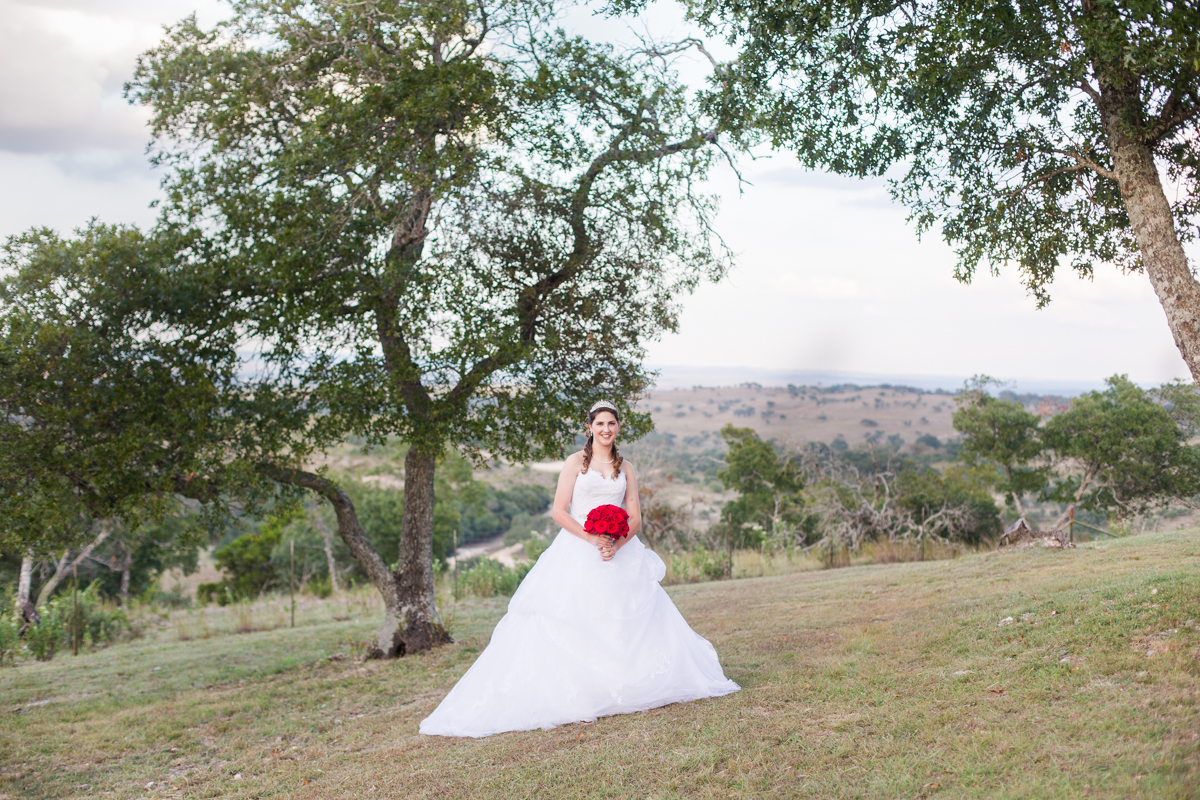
column 599, row 407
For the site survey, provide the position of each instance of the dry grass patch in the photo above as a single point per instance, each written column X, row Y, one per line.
column 896, row 680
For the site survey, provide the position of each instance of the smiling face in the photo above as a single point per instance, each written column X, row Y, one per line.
column 604, row 428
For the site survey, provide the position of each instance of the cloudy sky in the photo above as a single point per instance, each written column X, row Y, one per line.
column 830, row 280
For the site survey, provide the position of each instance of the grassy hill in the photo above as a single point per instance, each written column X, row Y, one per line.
column 1025, row 674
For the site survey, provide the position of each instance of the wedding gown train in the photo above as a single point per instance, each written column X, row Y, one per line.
column 583, row 638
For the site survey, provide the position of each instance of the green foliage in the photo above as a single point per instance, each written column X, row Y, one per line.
column 98, row 419
column 524, row 526
column 10, row 641
column 1003, row 119
column 488, row 578
column 171, row 541
column 535, row 546
column 320, row 586
column 213, row 592
column 1127, row 451
column 1002, row 434
column 246, row 561
column 544, row 147
column 770, row 503
column 66, row 616
column 381, row 515
column 925, row 492
column 700, row 564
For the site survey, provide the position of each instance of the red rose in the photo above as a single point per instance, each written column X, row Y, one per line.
column 607, row 519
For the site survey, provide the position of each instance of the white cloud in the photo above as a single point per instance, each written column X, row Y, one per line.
column 62, row 68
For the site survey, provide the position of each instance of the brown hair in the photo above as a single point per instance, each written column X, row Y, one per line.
column 587, row 447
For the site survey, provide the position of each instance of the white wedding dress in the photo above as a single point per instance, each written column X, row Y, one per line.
column 583, row 638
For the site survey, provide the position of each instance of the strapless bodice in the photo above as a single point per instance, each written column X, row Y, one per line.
column 593, row 489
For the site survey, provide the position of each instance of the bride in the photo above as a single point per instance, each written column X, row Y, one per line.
column 589, row 631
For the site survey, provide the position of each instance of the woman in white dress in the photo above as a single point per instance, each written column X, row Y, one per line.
column 589, row 632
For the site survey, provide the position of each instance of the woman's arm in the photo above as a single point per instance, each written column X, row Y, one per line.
column 632, row 506
column 561, row 513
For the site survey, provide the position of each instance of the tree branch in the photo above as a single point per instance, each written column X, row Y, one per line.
column 61, row 567
column 1173, row 115
column 348, row 526
column 1084, row 161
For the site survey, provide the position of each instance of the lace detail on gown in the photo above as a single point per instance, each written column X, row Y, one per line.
column 583, row 638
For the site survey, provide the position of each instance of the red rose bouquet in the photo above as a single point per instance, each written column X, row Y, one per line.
column 608, row 521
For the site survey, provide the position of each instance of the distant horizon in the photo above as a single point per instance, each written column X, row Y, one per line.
column 676, row 377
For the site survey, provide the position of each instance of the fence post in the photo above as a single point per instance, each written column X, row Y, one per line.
column 75, row 610
column 456, row 565
column 730, row 573
column 292, row 577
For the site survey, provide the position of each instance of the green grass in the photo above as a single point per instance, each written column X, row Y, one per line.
column 893, row 680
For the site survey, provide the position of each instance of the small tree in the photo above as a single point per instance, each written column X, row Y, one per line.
column 769, row 486
column 1003, row 435
column 1124, row 453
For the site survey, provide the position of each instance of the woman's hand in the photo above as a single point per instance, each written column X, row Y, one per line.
column 607, row 547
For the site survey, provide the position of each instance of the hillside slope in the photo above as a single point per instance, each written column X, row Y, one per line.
column 1029, row 674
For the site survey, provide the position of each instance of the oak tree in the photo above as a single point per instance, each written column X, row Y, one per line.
column 445, row 222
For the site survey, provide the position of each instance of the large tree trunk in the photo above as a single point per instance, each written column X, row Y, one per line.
column 403, row 624
column 422, row 627
column 1150, row 215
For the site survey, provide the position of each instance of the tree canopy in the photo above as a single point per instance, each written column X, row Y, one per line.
column 97, row 419
column 1123, row 452
column 770, row 484
column 1001, row 434
column 444, row 222
column 1031, row 132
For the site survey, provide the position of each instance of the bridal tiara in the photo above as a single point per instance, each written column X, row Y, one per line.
column 603, row 404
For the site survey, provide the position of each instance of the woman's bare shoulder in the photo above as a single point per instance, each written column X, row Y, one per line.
column 627, row 467
column 574, row 460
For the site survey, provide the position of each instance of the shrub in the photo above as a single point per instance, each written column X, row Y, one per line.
column 217, row 592
column 700, row 564
column 534, row 547
column 246, row 561
column 488, row 578
column 321, row 586
column 9, row 640
column 66, row 617
column 42, row 641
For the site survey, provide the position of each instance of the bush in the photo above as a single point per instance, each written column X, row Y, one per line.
column 9, row 640
column 524, row 526
column 246, row 561
column 321, row 586
column 154, row 596
column 96, row 624
column 217, row 592
column 42, row 641
column 700, row 564
column 534, row 547
column 488, row 578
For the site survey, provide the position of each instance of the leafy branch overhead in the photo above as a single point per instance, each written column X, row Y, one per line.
column 1030, row 133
